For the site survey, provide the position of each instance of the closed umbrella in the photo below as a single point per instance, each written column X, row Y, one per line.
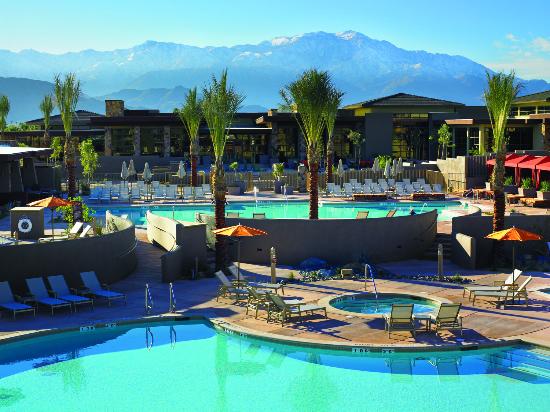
column 400, row 168
column 147, row 175
column 387, row 170
column 51, row 203
column 181, row 172
column 131, row 171
column 124, row 172
column 375, row 166
column 340, row 171
column 394, row 168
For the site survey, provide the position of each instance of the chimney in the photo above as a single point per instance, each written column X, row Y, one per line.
column 114, row 108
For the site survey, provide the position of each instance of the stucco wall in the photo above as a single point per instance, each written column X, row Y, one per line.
column 338, row 241
column 112, row 256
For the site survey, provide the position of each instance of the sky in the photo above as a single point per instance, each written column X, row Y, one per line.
column 502, row 34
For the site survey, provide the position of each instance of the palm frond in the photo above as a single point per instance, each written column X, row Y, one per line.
column 67, row 92
column 4, row 110
column 190, row 113
column 46, row 107
column 331, row 109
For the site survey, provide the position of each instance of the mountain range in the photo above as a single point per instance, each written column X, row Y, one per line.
column 158, row 74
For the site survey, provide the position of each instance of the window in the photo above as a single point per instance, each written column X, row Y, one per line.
column 410, row 115
column 524, row 111
column 544, row 109
column 122, row 141
column 151, row 140
column 179, row 142
column 287, row 142
column 519, row 138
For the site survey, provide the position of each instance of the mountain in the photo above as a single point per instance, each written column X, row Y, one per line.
column 155, row 98
column 361, row 66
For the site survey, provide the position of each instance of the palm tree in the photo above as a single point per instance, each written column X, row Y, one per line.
column 331, row 110
column 67, row 92
column 219, row 105
column 307, row 98
column 500, row 92
column 4, row 110
column 46, row 107
column 191, row 116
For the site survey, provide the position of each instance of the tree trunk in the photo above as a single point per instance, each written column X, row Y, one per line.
column 46, row 139
column 70, row 164
column 314, row 190
column 499, row 204
column 193, row 152
column 218, row 184
column 330, row 159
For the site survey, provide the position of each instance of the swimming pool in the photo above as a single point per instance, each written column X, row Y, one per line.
column 189, row 366
column 368, row 304
column 287, row 210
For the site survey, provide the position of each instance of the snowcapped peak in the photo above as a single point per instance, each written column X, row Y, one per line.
column 347, row 35
column 281, row 41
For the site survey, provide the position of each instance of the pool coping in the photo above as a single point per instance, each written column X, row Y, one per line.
column 233, row 329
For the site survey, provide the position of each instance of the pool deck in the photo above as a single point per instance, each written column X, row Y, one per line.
column 483, row 324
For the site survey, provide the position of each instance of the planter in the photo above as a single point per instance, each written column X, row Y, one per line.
column 511, row 189
column 278, row 185
column 532, row 192
column 234, row 190
column 543, row 195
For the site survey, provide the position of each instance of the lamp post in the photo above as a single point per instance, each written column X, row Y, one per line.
column 273, row 255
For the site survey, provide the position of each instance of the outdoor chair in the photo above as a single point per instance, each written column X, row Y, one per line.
column 159, row 193
column 199, row 193
column 105, row 194
column 447, row 317
column 258, row 215
column 136, row 194
column 426, row 188
column 85, row 231
column 93, row 288
column 406, row 181
column 421, row 181
column 362, row 214
column 368, row 182
column 228, row 288
column 206, row 189
column 187, row 192
column 257, row 299
column 72, row 234
column 10, row 302
column 347, row 273
column 95, row 194
column 283, row 311
column 60, row 290
column 124, row 195
column 400, row 318
column 40, row 295
column 437, row 188
column 391, row 213
column 511, row 294
column 263, row 285
column 497, row 285
column 232, row 214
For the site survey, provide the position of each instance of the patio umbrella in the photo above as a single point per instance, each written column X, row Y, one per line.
column 400, row 168
column 375, row 166
column 516, row 235
column 394, row 168
column 181, row 172
column 387, row 170
column 340, row 171
column 239, row 231
column 124, row 172
column 131, row 171
column 51, row 203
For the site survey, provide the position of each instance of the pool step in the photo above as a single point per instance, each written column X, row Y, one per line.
column 445, row 240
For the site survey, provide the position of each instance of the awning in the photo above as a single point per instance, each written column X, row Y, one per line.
column 509, row 156
column 544, row 165
column 532, row 164
column 517, row 160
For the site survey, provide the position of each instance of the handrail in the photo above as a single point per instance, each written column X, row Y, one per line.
column 149, row 344
column 148, row 300
column 173, row 337
column 172, row 301
column 369, row 269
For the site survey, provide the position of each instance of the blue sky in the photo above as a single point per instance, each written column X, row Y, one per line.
column 500, row 34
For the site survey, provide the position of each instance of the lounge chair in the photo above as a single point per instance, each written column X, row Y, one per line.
column 95, row 194
column 106, row 194
column 512, row 293
column 497, row 285
column 60, row 290
column 258, row 215
column 40, row 295
column 159, row 193
column 228, row 288
column 362, row 214
column 421, row 181
column 400, row 318
column 232, row 214
column 437, row 188
column 391, row 213
column 206, row 189
column 199, row 193
column 262, row 285
column 447, row 317
column 9, row 302
column 136, row 193
column 406, row 181
column 283, row 311
column 93, row 288
column 187, row 193
column 257, row 299
column 73, row 233
column 344, row 273
column 85, row 231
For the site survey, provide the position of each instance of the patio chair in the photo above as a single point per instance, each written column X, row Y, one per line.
column 93, row 288
column 95, row 194
column 187, row 192
column 206, row 189
column 263, row 285
column 72, row 234
column 106, row 194
column 85, row 231
column 426, row 188
column 60, row 290
column 159, row 193
column 228, row 288
column 421, row 181
column 348, row 190
column 437, row 188
column 136, row 193
column 232, row 214
column 400, row 191
column 391, row 182
column 257, row 299
column 347, row 273
column 391, row 213
column 498, row 285
column 368, row 181
column 283, row 311
column 9, row 301
column 124, row 195
column 410, row 188
column 199, row 193
column 156, row 184
column 40, row 295
column 362, row 214
column 171, row 192
column 447, row 317
column 377, row 189
column 406, row 181
column 258, row 215
column 512, row 293
column 400, row 318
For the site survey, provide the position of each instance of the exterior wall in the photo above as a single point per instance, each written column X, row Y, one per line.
column 114, row 108
column 137, row 141
column 28, row 173
column 378, row 132
column 402, row 109
column 108, row 142
column 338, row 241
column 166, row 141
column 112, row 256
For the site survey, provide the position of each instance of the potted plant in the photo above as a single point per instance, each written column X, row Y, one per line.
column 509, row 186
column 278, row 170
column 544, row 190
column 234, row 188
column 527, row 189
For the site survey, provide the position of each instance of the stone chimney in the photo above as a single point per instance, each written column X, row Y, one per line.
column 114, row 108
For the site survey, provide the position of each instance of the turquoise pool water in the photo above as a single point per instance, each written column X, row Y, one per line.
column 290, row 210
column 188, row 366
column 370, row 305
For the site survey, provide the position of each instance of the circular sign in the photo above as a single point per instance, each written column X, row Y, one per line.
column 24, row 225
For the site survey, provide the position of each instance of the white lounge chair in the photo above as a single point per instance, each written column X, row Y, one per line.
column 511, row 294
column 159, row 193
column 497, row 286
column 437, row 188
column 187, row 193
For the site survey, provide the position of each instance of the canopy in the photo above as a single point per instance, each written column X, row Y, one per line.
column 239, row 231
column 509, row 156
column 545, row 165
column 514, row 233
column 532, row 164
column 50, row 202
column 514, row 163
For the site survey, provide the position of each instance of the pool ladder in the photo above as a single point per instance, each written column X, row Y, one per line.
column 172, row 304
column 369, row 270
column 148, row 300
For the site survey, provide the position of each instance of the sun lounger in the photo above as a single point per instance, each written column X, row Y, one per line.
column 105, row 194
column 72, row 234
column 437, row 188
column 93, row 288
column 187, row 193
column 40, row 295
column 9, row 302
column 95, row 194
column 159, row 193
column 60, row 290
column 136, row 193
column 257, row 299
column 85, row 231
column 283, row 311
column 447, row 317
column 263, row 285
column 199, row 193
column 258, row 215
column 228, row 288
column 391, row 213
column 400, row 318
column 497, row 285
column 362, row 214
column 124, row 195
column 512, row 294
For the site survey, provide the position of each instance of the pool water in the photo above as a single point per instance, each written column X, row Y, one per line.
column 189, row 366
column 370, row 305
column 287, row 210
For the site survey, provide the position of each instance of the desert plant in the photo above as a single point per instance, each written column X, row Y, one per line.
column 67, row 93
column 544, row 186
column 499, row 94
column 46, row 107
column 4, row 110
column 508, row 181
column 89, row 159
column 219, row 105
column 527, row 183
column 331, row 111
column 191, row 115
column 307, row 98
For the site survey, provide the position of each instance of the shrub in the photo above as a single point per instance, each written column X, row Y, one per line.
column 508, row 181
column 278, row 170
column 527, row 183
column 67, row 211
column 545, row 186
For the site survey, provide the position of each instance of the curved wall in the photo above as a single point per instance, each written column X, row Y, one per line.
column 338, row 241
column 112, row 256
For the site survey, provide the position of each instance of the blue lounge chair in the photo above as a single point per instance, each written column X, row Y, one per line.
column 41, row 296
column 60, row 290
column 95, row 289
column 9, row 302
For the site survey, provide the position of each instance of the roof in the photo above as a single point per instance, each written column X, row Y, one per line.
column 404, row 99
column 15, row 153
column 509, row 156
column 516, row 161
column 530, row 164
column 534, row 97
column 80, row 116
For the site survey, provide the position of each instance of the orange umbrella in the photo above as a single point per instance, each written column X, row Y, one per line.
column 51, row 203
column 514, row 234
column 239, row 231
